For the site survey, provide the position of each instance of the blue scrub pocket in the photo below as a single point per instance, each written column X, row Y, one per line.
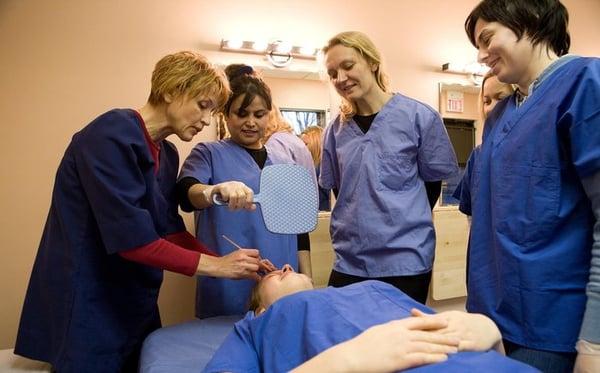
column 527, row 203
column 396, row 172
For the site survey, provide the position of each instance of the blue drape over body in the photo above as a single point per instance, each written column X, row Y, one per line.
column 298, row 327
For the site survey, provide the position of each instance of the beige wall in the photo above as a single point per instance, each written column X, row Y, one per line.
column 63, row 62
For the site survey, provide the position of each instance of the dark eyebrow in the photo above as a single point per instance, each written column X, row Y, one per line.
column 483, row 35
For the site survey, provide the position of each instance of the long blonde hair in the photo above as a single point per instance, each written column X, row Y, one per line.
column 277, row 123
column 313, row 137
column 361, row 43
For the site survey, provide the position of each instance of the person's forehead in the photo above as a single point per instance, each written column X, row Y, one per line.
column 339, row 54
column 480, row 25
column 204, row 97
column 269, row 279
column 257, row 103
column 485, row 27
column 491, row 84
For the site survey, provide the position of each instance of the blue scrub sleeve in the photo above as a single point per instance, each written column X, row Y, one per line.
column 463, row 189
column 463, row 195
column 584, row 136
column 590, row 327
column 585, row 143
column 329, row 172
column 198, row 165
column 584, row 113
column 107, row 163
column 435, row 157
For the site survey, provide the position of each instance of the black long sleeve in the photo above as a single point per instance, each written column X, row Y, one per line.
column 434, row 189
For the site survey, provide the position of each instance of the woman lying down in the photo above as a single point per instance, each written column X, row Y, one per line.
column 365, row 327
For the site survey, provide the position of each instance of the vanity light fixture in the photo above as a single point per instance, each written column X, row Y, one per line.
column 473, row 68
column 279, row 53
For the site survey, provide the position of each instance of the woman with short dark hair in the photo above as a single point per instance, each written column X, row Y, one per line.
column 535, row 238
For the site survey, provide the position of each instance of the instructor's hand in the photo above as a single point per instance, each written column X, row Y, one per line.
column 242, row 263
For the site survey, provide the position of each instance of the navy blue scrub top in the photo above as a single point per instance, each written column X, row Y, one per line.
column 87, row 309
column 531, row 237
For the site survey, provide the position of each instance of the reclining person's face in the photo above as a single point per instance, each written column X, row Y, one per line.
column 280, row 283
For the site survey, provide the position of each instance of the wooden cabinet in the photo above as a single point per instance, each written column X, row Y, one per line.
column 321, row 251
column 449, row 269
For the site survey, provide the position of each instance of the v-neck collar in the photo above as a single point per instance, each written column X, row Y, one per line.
column 247, row 156
column 383, row 112
column 513, row 113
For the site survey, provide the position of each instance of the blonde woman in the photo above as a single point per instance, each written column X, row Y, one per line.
column 313, row 138
column 280, row 137
column 492, row 92
column 113, row 227
column 378, row 154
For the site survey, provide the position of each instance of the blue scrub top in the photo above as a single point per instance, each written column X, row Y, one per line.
column 531, row 236
column 300, row 326
column 292, row 147
column 463, row 190
column 214, row 163
column 86, row 308
column 381, row 223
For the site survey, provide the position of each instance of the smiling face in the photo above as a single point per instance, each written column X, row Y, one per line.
column 278, row 284
column 508, row 57
column 188, row 115
column 247, row 125
column 351, row 75
column 493, row 92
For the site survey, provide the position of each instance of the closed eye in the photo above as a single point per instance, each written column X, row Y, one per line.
column 205, row 104
column 348, row 66
column 484, row 39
